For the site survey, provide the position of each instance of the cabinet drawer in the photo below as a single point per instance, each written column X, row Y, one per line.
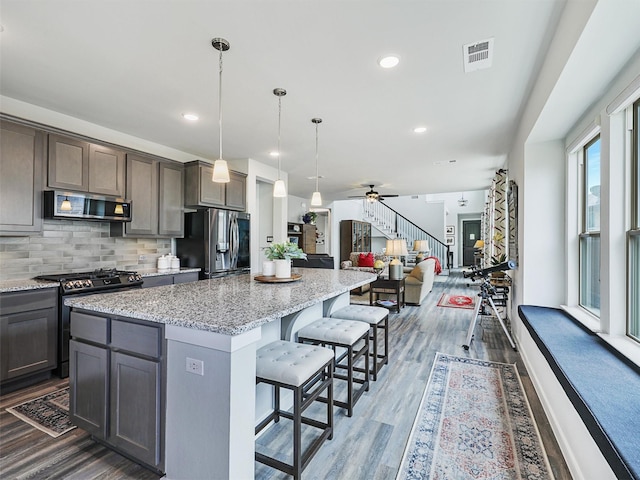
column 157, row 281
column 89, row 327
column 186, row 277
column 28, row 300
column 136, row 338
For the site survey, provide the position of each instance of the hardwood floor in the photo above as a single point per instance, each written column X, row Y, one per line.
column 367, row 446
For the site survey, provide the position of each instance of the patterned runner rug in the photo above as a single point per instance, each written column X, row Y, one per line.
column 49, row 413
column 474, row 422
column 457, row 301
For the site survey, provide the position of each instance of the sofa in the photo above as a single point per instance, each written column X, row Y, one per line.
column 419, row 282
column 352, row 264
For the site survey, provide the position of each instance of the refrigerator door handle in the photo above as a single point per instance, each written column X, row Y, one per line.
column 233, row 240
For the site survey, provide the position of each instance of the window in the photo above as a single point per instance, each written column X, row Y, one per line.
column 633, row 235
column 590, row 236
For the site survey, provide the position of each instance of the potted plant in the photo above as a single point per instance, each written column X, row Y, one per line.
column 282, row 254
column 310, row 217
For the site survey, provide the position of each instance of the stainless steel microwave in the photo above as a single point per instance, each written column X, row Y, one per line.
column 84, row 206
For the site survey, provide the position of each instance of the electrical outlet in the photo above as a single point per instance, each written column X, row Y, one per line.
column 195, row 366
column 142, row 258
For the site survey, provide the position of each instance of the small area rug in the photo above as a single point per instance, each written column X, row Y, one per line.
column 474, row 422
column 49, row 413
column 457, row 301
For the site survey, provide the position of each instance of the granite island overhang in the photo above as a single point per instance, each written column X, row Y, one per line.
column 210, row 417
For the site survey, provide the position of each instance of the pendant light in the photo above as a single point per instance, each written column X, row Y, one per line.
column 316, row 198
column 220, row 169
column 65, row 206
column 462, row 201
column 279, row 189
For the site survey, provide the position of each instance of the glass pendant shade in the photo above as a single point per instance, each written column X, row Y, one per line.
column 65, row 206
column 316, row 199
column 220, row 171
column 279, row 189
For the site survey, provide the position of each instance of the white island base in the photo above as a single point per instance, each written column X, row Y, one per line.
column 211, row 418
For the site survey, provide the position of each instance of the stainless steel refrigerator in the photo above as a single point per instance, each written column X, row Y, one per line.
column 216, row 241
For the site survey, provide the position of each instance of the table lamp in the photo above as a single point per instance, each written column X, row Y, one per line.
column 395, row 248
column 422, row 247
column 479, row 244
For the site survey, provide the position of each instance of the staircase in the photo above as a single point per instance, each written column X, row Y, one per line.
column 393, row 225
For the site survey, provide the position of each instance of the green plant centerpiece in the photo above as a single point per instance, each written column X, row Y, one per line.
column 284, row 251
column 282, row 254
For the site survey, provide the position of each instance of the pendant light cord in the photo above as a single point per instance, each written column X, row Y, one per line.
column 220, row 103
column 279, row 120
column 316, row 157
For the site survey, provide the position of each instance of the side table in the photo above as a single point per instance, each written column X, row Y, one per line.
column 386, row 285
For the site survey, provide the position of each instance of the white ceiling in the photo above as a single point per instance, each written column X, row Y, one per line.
column 134, row 66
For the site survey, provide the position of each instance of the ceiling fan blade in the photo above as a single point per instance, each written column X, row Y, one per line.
column 356, row 196
column 389, row 196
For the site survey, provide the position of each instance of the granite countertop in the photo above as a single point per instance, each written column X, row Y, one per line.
column 31, row 284
column 228, row 305
column 26, row 284
column 154, row 272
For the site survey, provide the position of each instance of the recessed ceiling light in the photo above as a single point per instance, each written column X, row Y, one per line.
column 313, row 177
column 389, row 61
column 420, row 129
column 274, row 154
column 192, row 117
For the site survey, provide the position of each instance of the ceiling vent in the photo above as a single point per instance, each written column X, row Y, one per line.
column 478, row 55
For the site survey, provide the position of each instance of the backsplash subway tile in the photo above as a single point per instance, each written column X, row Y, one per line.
column 76, row 246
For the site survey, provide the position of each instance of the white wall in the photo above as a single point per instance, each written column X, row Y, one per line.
column 562, row 104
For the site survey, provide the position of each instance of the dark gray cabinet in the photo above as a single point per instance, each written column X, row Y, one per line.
column 75, row 164
column 201, row 191
column 88, row 365
column 169, row 279
column 155, row 188
column 116, row 392
column 28, row 332
column 135, row 415
column 21, row 158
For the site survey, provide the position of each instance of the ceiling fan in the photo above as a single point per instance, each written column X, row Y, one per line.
column 372, row 195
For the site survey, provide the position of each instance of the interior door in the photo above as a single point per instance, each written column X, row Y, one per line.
column 470, row 234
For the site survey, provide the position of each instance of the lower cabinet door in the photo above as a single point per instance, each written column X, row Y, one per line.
column 27, row 342
column 135, row 407
column 88, row 387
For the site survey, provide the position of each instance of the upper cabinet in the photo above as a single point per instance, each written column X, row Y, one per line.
column 21, row 157
column 155, row 188
column 201, row 191
column 78, row 165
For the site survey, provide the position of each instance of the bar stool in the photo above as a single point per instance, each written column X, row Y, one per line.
column 378, row 319
column 307, row 371
column 351, row 336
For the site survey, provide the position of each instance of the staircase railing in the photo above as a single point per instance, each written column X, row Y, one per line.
column 395, row 225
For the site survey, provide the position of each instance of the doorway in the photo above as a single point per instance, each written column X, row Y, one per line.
column 470, row 234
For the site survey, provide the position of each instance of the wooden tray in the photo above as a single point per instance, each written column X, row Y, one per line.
column 273, row 279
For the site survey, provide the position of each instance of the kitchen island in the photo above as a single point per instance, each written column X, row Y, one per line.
column 216, row 325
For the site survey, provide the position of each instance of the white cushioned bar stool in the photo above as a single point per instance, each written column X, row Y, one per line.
column 353, row 337
column 378, row 319
column 307, row 371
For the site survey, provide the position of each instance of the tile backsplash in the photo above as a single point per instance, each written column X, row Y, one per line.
column 76, row 246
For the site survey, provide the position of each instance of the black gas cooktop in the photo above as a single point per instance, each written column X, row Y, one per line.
column 94, row 281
